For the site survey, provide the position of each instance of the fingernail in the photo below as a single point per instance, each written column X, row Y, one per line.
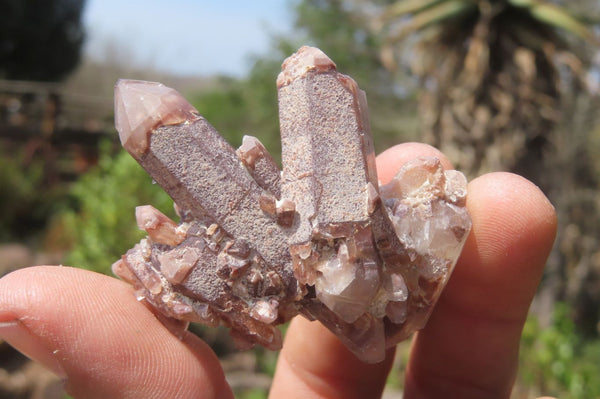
column 19, row 337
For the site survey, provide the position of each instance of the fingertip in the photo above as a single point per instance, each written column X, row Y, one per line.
column 511, row 192
column 511, row 218
column 314, row 363
column 392, row 159
column 513, row 230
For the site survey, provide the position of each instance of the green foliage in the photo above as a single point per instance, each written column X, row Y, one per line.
column 266, row 361
column 102, row 224
column 425, row 14
column 225, row 107
column 557, row 361
column 252, row 394
column 344, row 37
column 263, row 114
column 395, row 380
column 239, row 107
column 26, row 201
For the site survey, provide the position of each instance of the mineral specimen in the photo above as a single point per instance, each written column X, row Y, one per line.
column 256, row 246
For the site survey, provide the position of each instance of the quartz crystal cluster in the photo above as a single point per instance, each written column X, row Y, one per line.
column 257, row 245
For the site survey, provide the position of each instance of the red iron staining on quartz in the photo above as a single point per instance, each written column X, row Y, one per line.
column 321, row 238
column 142, row 107
column 260, row 164
column 305, row 60
column 159, row 227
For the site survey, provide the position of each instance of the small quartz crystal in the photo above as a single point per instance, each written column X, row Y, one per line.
column 159, row 227
column 144, row 106
column 257, row 246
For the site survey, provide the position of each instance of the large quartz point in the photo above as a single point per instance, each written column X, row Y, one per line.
column 256, row 246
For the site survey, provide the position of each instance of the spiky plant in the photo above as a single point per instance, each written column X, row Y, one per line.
column 497, row 77
column 491, row 73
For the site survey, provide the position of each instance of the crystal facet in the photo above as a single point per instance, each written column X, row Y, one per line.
column 142, row 106
column 321, row 238
column 159, row 227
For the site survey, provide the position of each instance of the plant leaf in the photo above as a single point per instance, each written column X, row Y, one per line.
column 433, row 15
column 558, row 17
column 522, row 3
column 403, row 7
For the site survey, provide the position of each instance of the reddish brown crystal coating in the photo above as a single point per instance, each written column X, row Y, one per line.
column 159, row 227
column 256, row 247
column 142, row 106
column 306, row 59
column 260, row 164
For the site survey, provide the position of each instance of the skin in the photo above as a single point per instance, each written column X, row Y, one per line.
column 90, row 329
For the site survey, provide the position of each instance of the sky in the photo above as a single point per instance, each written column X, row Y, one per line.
column 184, row 37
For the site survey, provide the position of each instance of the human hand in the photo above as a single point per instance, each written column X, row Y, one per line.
column 90, row 329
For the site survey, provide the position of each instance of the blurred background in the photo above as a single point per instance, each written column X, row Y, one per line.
column 509, row 85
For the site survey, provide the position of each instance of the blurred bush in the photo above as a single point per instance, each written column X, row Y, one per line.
column 244, row 107
column 101, row 223
column 557, row 361
column 26, row 202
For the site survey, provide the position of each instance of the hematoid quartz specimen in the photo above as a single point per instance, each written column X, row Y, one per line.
column 256, row 246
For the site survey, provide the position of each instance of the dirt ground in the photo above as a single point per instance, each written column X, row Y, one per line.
column 21, row 378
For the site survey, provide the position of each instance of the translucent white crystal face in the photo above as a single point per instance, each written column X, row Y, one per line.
column 347, row 286
column 427, row 207
column 175, row 265
column 140, row 107
column 264, row 311
column 304, row 60
column 160, row 228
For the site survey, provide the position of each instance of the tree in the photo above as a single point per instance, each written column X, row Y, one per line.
column 40, row 39
column 492, row 73
column 496, row 77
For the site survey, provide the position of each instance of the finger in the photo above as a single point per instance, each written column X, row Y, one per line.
column 90, row 330
column 313, row 362
column 470, row 344
column 392, row 159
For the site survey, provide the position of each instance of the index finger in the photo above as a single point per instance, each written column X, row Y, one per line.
column 90, row 329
